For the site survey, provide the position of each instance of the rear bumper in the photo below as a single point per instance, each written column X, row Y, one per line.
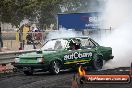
column 33, row 66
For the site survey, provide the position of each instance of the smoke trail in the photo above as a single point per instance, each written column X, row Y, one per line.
column 118, row 15
column 62, row 33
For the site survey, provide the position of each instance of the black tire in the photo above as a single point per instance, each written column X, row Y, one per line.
column 28, row 72
column 55, row 67
column 97, row 62
column 15, row 69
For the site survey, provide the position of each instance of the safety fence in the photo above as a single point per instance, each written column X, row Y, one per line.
column 12, row 40
column 7, row 58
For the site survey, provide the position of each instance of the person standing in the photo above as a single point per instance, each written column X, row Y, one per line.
column 1, row 42
column 30, row 39
column 20, row 37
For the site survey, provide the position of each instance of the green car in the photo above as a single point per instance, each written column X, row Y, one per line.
column 64, row 53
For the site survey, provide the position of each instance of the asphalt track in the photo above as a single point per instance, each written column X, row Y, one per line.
column 63, row 80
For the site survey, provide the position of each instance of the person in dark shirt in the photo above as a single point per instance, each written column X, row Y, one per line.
column 74, row 44
column 29, row 39
column 1, row 42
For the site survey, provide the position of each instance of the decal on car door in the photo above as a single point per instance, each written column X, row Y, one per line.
column 77, row 57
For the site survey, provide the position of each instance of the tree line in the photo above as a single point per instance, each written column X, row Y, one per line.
column 44, row 12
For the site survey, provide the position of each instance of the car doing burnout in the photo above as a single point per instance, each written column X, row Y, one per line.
column 64, row 53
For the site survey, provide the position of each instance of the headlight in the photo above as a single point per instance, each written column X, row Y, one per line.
column 17, row 60
column 40, row 60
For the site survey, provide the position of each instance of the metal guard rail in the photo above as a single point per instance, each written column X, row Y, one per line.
column 8, row 57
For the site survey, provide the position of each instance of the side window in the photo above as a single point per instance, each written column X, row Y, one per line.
column 91, row 44
column 64, row 44
column 60, row 44
column 87, row 43
column 74, row 44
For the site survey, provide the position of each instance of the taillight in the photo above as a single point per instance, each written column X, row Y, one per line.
column 17, row 60
column 40, row 60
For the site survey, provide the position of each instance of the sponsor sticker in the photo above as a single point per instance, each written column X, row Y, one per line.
column 77, row 55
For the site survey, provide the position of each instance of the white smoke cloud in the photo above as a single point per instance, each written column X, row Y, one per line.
column 116, row 12
column 118, row 15
column 62, row 33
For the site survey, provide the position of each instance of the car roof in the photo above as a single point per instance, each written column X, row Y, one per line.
column 71, row 37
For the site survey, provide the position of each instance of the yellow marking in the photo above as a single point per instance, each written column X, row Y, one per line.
column 76, row 61
column 25, row 31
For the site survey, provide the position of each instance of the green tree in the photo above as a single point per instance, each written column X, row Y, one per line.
column 43, row 12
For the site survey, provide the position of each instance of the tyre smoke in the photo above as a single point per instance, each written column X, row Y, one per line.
column 62, row 33
column 118, row 15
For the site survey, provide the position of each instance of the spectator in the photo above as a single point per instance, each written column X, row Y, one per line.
column 29, row 38
column 1, row 42
column 38, row 35
column 34, row 29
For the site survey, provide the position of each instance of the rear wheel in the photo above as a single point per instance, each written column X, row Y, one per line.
column 97, row 62
column 28, row 72
column 55, row 67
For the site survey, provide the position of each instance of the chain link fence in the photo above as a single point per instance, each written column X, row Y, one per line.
column 13, row 40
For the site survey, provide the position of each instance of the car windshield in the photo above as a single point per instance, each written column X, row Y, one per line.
column 58, row 44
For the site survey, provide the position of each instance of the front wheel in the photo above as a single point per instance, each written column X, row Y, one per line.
column 97, row 62
column 55, row 67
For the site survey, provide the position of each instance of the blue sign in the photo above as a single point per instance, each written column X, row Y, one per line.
column 79, row 20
